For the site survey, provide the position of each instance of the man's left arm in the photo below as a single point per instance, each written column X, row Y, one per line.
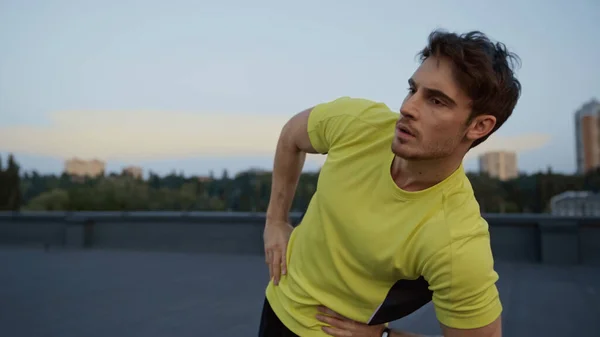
column 463, row 280
column 493, row 329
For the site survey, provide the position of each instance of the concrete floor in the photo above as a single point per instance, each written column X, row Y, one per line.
column 117, row 293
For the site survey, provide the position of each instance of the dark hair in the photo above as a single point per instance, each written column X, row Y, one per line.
column 483, row 69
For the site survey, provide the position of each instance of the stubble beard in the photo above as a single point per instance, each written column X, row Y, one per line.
column 428, row 153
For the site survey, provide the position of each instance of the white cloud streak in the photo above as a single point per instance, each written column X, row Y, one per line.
column 147, row 135
column 519, row 144
column 156, row 135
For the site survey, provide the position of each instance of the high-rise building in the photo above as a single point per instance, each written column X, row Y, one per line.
column 499, row 164
column 587, row 136
column 84, row 168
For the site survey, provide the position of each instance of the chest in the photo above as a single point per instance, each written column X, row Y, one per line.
column 372, row 229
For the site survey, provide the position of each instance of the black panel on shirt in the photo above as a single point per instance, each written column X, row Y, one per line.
column 404, row 298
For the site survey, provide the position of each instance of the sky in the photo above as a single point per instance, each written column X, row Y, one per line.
column 195, row 86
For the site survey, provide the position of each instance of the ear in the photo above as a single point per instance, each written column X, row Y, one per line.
column 480, row 127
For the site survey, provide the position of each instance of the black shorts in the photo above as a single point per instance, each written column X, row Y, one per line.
column 270, row 325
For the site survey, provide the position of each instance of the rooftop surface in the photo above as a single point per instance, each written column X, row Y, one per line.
column 94, row 293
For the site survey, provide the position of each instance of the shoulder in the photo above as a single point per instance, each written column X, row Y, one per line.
column 344, row 119
column 461, row 210
column 458, row 231
column 458, row 215
column 351, row 109
column 467, row 239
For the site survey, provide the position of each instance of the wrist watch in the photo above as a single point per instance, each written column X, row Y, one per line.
column 386, row 332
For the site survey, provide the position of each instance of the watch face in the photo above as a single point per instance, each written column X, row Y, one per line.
column 385, row 334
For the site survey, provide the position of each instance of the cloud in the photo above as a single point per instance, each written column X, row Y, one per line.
column 518, row 144
column 144, row 135
column 157, row 135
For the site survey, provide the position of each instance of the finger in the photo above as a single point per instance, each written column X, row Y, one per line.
column 335, row 322
column 270, row 257
column 276, row 265
column 332, row 331
column 332, row 313
column 269, row 263
column 329, row 320
column 283, row 262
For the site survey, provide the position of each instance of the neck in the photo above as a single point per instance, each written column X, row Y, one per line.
column 412, row 176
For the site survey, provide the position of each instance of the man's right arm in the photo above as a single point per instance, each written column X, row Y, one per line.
column 293, row 145
column 319, row 129
column 290, row 154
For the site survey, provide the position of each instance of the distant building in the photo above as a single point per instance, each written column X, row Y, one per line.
column 499, row 164
column 576, row 203
column 587, row 136
column 133, row 171
column 84, row 168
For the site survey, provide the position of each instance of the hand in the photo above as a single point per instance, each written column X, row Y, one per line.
column 276, row 237
column 341, row 326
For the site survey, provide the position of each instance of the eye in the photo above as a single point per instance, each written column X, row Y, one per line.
column 411, row 90
column 436, row 101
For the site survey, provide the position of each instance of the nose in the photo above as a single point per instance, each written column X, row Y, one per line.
column 409, row 108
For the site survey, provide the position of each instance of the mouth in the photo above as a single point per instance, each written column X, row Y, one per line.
column 405, row 131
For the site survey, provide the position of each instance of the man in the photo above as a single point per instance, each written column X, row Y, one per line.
column 388, row 231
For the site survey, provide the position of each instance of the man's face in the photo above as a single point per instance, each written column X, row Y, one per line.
column 434, row 114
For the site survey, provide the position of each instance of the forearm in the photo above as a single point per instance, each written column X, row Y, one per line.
column 408, row 334
column 287, row 167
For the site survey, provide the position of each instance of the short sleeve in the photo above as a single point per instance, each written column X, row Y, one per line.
column 463, row 281
column 331, row 123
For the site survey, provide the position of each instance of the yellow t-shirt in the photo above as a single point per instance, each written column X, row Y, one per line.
column 374, row 252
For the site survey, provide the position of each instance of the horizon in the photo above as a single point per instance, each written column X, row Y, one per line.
column 217, row 173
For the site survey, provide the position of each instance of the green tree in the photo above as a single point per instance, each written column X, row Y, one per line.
column 10, row 186
column 489, row 193
column 54, row 200
column 591, row 180
column 4, row 187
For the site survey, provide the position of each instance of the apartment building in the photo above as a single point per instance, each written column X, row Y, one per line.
column 84, row 168
column 587, row 136
column 133, row 171
column 499, row 164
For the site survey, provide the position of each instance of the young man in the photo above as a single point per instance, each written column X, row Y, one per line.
column 388, row 231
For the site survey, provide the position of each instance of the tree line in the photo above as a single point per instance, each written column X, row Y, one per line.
column 247, row 191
